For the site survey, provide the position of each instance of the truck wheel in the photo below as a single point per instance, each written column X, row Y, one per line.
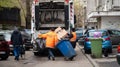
column 71, row 58
column 36, row 53
column 27, row 48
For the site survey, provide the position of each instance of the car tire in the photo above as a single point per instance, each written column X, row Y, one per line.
column 12, row 52
column 27, row 48
column 87, row 51
column 110, row 50
column 118, row 58
column 105, row 52
column 5, row 56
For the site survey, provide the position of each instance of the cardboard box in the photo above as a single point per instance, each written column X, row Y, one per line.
column 61, row 33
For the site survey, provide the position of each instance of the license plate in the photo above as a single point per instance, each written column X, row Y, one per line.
column 11, row 48
column 2, row 52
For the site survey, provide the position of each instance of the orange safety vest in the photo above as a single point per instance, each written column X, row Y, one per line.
column 51, row 39
column 74, row 37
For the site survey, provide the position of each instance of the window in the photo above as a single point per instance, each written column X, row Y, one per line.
column 95, row 34
column 98, row 34
column 116, row 32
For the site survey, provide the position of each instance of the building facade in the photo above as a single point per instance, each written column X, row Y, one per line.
column 106, row 13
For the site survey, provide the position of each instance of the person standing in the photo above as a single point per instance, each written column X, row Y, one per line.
column 51, row 40
column 16, row 39
column 74, row 38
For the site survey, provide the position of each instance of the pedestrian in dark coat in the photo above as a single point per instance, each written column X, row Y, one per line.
column 16, row 40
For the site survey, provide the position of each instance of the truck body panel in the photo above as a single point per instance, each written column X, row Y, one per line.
column 48, row 14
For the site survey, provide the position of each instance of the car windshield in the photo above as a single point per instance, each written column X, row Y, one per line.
column 115, row 32
column 28, row 31
column 97, row 33
column 7, row 36
column 79, row 30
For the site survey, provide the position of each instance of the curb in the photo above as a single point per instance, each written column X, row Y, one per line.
column 94, row 64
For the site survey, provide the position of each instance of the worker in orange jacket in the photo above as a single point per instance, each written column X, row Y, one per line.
column 74, row 38
column 51, row 41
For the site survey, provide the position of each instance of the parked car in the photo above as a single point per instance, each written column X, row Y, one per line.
column 28, row 31
column 7, row 36
column 79, row 32
column 106, row 43
column 8, row 39
column 118, row 54
column 114, row 36
column 81, row 39
column 27, row 39
column 4, row 47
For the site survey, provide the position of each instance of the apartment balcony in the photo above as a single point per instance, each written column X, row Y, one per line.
column 96, row 14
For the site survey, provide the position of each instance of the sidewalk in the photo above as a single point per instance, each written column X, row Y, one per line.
column 93, row 62
column 109, row 61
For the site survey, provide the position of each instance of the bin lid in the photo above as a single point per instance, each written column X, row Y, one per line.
column 61, row 42
column 95, row 39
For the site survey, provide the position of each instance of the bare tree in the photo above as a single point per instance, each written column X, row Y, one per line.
column 79, row 12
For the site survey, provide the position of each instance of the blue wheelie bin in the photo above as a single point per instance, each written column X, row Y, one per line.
column 66, row 49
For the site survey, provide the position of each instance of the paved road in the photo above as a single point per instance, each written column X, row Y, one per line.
column 32, row 61
column 109, row 61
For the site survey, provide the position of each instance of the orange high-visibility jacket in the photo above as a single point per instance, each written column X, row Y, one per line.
column 51, row 39
column 74, row 37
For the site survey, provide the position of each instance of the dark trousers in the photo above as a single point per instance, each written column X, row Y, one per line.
column 50, row 53
column 16, row 52
column 73, row 44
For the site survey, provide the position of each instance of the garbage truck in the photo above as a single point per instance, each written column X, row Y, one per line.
column 48, row 14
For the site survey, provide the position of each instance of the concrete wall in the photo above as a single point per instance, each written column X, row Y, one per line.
column 110, row 22
column 92, row 24
column 90, row 6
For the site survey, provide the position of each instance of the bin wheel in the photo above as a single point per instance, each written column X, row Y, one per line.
column 67, row 59
column 71, row 58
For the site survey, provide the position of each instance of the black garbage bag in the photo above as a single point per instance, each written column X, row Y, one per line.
column 22, row 49
column 41, row 43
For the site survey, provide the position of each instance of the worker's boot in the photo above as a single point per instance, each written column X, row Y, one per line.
column 53, row 58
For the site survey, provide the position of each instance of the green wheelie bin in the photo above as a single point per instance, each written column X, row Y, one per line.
column 96, row 47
